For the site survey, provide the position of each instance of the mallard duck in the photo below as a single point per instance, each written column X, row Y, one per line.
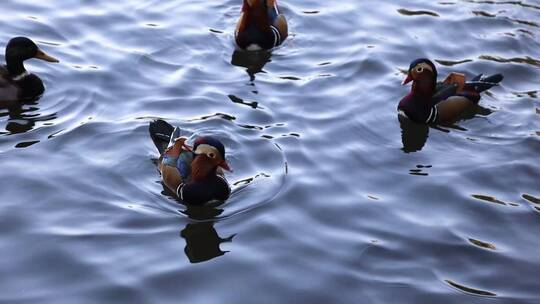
column 194, row 174
column 16, row 83
column 431, row 102
column 261, row 26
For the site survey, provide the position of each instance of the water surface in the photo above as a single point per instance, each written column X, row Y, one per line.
column 335, row 202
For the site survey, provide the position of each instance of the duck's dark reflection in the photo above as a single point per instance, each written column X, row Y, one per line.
column 202, row 240
column 254, row 62
column 414, row 135
column 22, row 117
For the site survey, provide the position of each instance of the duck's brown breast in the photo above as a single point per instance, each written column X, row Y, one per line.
column 8, row 91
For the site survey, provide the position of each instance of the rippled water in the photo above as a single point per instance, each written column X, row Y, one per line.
column 335, row 200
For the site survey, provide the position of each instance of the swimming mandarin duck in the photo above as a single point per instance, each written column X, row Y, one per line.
column 261, row 25
column 194, row 174
column 431, row 102
column 16, row 83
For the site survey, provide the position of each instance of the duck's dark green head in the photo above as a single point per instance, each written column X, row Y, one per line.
column 20, row 49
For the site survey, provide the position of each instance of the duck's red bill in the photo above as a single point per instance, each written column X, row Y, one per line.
column 407, row 80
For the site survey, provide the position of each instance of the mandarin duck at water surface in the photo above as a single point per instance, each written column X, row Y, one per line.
column 17, row 84
column 194, row 174
column 261, row 26
column 445, row 102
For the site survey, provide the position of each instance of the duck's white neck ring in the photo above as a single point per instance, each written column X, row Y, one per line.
column 20, row 76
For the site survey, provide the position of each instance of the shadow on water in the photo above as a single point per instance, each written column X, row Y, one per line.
column 202, row 239
column 22, row 117
column 414, row 135
column 254, row 62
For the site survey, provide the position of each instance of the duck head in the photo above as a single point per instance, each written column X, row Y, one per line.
column 423, row 74
column 20, row 49
column 209, row 155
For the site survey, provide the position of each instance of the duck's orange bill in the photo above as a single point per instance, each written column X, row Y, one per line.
column 43, row 56
column 407, row 80
column 225, row 166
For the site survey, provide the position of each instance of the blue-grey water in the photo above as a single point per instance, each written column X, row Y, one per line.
column 335, row 201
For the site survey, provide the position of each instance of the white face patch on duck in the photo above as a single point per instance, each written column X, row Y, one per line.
column 208, row 150
column 421, row 67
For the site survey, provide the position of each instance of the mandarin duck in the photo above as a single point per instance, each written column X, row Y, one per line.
column 194, row 174
column 261, row 26
column 17, row 84
column 430, row 102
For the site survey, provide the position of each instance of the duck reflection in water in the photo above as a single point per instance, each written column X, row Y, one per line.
column 21, row 118
column 254, row 62
column 414, row 135
column 202, row 240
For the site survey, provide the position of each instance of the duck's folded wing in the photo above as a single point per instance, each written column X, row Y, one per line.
column 481, row 84
column 160, row 132
column 443, row 92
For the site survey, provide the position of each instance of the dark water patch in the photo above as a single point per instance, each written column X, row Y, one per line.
column 488, row 15
column 420, row 170
column 520, row 60
column 373, row 197
column 490, row 199
column 482, row 244
column 407, row 12
column 452, row 63
column 470, row 290
column 238, row 100
column 294, row 78
column 26, row 144
column 531, row 199
column 483, row 14
column 526, row 32
column 517, row 3
column 216, row 115
column 531, row 94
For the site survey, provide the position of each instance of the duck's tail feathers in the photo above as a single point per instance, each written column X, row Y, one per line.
column 493, row 78
column 477, row 77
column 160, row 132
column 481, row 83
